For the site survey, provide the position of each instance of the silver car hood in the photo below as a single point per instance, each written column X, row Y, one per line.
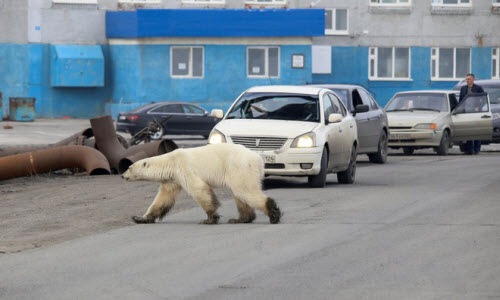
column 410, row 119
column 253, row 127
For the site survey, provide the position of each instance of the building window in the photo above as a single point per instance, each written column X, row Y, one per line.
column 263, row 62
column 205, row 1
column 450, row 63
column 75, row 1
column 495, row 63
column 265, row 1
column 389, row 63
column 391, row 2
column 336, row 21
column 186, row 62
column 452, row 2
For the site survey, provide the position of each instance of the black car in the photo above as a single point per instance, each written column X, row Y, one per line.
column 177, row 118
column 492, row 88
column 372, row 124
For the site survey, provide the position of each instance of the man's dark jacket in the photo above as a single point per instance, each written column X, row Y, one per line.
column 475, row 90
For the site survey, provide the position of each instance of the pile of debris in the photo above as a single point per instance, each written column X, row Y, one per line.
column 97, row 150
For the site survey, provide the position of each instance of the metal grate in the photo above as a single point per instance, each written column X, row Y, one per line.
column 259, row 143
column 399, row 127
column 274, row 166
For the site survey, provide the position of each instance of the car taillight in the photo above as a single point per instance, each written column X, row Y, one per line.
column 132, row 118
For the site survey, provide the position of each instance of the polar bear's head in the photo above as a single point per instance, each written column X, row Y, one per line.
column 149, row 169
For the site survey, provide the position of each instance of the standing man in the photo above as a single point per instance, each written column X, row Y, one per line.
column 471, row 147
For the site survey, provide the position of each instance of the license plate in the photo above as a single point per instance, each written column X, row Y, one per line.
column 400, row 136
column 268, row 158
column 122, row 117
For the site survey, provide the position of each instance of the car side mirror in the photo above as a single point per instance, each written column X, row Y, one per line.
column 334, row 118
column 217, row 113
column 361, row 108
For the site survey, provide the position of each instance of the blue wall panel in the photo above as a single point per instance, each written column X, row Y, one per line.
column 14, row 72
column 215, row 23
column 77, row 66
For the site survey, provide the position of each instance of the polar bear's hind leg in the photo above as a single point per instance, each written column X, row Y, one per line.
column 247, row 214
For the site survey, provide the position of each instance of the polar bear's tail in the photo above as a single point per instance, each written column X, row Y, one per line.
column 273, row 211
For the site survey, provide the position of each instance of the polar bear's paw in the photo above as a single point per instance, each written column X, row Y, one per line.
column 141, row 220
column 273, row 210
column 212, row 219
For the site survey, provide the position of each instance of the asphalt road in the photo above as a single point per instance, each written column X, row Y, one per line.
column 420, row 227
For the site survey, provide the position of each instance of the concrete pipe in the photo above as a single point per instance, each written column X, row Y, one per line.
column 76, row 139
column 108, row 143
column 53, row 159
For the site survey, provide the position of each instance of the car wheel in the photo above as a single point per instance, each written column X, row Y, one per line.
column 408, row 150
column 319, row 181
column 348, row 176
column 158, row 134
column 444, row 145
column 381, row 156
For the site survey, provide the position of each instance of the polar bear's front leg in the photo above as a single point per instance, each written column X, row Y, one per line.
column 164, row 201
column 203, row 194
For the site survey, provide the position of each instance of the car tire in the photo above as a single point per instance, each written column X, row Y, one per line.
column 444, row 145
column 380, row 157
column 158, row 134
column 408, row 150
column 348, row 176
column 319, row 180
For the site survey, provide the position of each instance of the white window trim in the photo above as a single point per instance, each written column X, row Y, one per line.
column 495, row 59
column 266, row 63
column 441, row 4
column 334, row 31
column 75, row 1
column 190, row 73
column 374, row 57
column 139, row 1
column 390, row 4
column 436, row 59
column 272, row 2
column 204, row 1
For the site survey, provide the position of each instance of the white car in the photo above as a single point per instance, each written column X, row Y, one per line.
column 298, row 131
column 435, row 119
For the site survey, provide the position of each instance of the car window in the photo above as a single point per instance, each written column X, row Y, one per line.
column 327, row 106
column 356, row 99
column 473, row 104
column 365, row 98
column 373, row 103
column 493, row 93
column 276, row 106
column 191, row 109
column 453, row 101
column 342, row 93
column 169, row 108
column 418, row 101
column 338, row 108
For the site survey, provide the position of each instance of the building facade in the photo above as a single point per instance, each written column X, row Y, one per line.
column 83, row 58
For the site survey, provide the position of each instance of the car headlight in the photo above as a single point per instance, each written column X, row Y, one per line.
column 496, row 116
column 216, row 137
column 426, row 126
column 307, row 140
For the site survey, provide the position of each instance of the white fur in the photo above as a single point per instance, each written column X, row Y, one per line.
column 199, row 169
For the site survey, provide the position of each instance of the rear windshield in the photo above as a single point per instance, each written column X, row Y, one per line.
column 418, row 101
column 274, row 106
column 493, row 93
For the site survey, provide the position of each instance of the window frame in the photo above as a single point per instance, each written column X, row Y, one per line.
column 379, row 3
column 495, row 61
column 74, row 1
column 374, row 57
column 435, row 58
column 266, row 62
column 190, row 73
column 271, row 2
column 459, row 3
column 140, row 1
column 203, row 1
column 334, row 30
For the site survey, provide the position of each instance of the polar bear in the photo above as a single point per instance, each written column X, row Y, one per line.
column 197, row 170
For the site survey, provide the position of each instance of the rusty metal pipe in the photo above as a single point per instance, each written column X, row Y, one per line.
column 107, row 142
column 53, row 159
column 75, row 139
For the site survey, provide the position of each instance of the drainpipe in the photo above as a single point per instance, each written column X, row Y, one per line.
column 53, row 159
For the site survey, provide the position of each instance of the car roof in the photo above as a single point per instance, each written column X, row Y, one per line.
column 286, row 89
column 427, row 92
column 338, row 86
column 155, row 104
column 485, row 82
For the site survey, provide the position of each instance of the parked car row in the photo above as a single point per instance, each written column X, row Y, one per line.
column 319, row 129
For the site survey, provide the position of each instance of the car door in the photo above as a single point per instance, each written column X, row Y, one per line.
column 170, row 116
column 472, row 118
column 333, row 134
column 373, row 129
column 364, row 130
column 347, row 128
column 197, row 120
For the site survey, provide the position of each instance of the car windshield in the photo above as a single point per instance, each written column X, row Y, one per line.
column 493, row 93
column 274, row 106
column 418, row 101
